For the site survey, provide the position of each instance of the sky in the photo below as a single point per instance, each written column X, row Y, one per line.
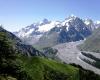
column 15, row 14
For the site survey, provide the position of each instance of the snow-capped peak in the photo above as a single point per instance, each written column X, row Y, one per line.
column 72, row 16
column 97, row 22
column 69, row 19
column 90, row 24
column 88, row 21
column 44, row 21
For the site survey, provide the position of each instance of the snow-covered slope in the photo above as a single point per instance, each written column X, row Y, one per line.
column 97, row 24
column 90, row 24
column 37, row 28
column 31, row 34
column 48, row 27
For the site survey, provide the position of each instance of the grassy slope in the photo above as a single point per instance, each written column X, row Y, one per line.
column 40, row 68
column 43, row 69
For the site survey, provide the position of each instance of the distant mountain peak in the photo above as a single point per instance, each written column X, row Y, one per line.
column 73, row 16
column 97, row 22
column 88, row 21
column 44, row 21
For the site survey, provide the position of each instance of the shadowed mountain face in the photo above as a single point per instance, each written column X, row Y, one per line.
column 18, row 45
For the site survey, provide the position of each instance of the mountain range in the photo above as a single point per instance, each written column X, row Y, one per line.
column 48, row 33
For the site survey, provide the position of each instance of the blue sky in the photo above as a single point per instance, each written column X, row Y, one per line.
column 15, row 14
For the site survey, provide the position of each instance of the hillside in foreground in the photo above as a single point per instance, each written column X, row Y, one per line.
column 40, row 68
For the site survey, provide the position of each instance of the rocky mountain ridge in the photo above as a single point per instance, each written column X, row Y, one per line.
column 71, row 29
